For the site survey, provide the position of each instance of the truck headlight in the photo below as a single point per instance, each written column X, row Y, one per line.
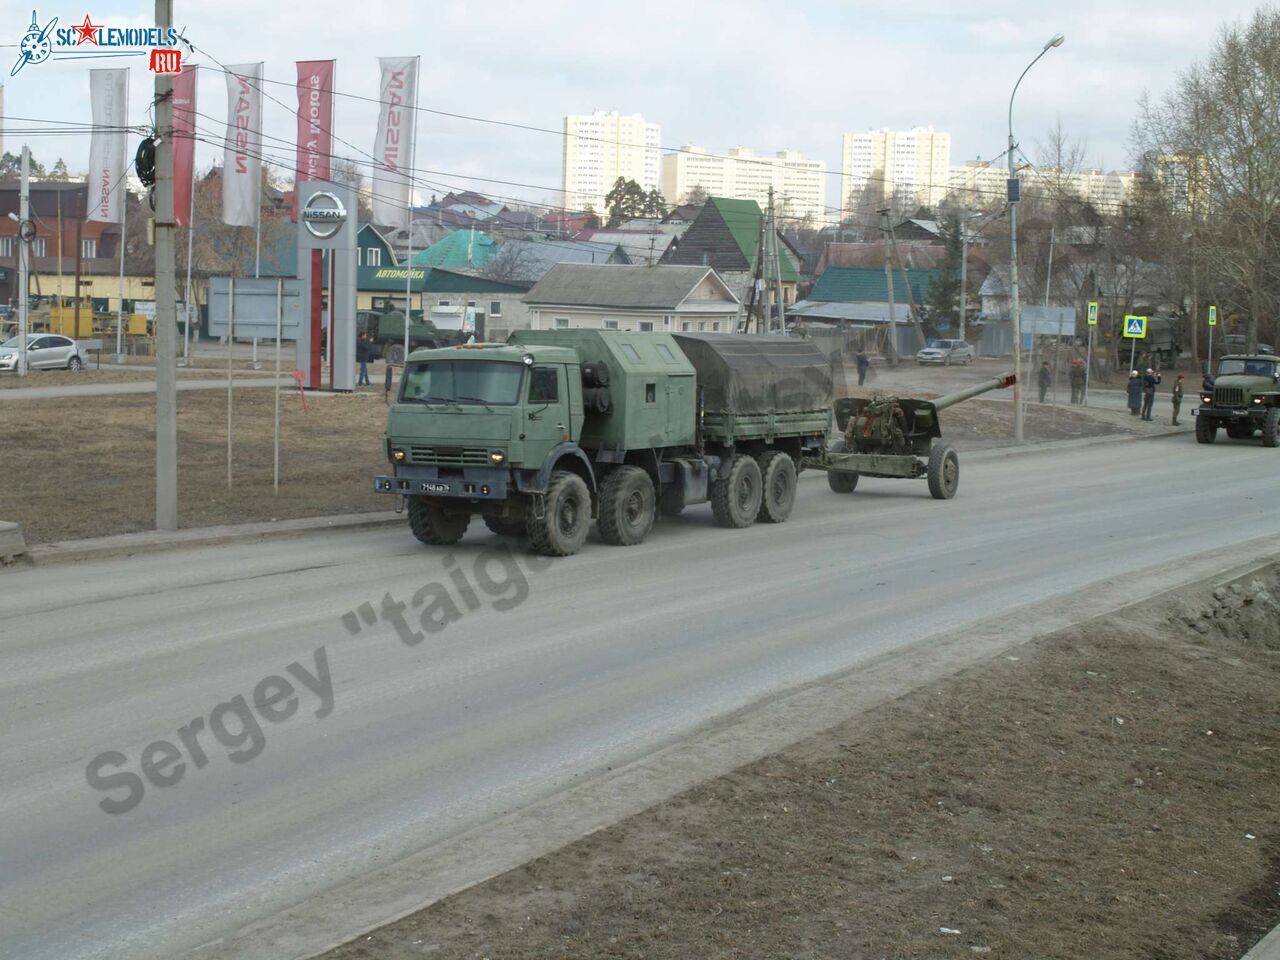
column 1257, row 399
column 397, row 455
column 1206, row 398
column 497, row 457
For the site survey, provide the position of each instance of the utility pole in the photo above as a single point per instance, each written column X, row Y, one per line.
column 166, row 297
column 888, row 282
column 964, row 271
column 906, row 282
column 24, row 258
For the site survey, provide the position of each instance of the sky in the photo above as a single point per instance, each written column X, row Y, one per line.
column 718, row 73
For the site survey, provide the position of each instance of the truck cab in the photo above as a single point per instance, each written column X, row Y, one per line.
column 1245, row 400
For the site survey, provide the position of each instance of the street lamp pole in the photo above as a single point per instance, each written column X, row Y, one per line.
column 1014, row 196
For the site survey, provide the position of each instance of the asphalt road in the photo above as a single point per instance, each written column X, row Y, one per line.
column 610, row 654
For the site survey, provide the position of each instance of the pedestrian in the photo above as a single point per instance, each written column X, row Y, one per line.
column 1077, row 381
column 1045, row 378
column 860, row 359
column 1176, row 397
column 1134, row 390
column 1149, row 392
column 362, row 357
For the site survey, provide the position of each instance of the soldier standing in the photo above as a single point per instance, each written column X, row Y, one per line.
column 1077, row 381
column 1177, row 398
column 860, row 359
column 1045, row 380
column 1149, row 392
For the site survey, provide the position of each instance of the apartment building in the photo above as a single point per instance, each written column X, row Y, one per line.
column 879, row 167
column 981, row 184
column 600, row 147
column 740, row 174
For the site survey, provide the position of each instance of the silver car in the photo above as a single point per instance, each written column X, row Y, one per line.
column 45, row 351
column 946, row 352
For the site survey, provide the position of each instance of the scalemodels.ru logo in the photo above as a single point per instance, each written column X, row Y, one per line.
column 89, row 40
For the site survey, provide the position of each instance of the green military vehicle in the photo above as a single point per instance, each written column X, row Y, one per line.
column 1245, row 399
column 1160, row 348
column 540, row 434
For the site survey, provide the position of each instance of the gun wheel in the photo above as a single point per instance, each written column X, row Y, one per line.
column 943, row 472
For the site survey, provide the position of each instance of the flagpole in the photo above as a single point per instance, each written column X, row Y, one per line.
column 191, row 233
column 408, row 271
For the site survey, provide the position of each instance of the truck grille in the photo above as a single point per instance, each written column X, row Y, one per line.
column 450, row 456
column 1228, row 397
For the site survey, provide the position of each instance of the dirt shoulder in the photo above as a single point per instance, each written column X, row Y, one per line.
column 1106, row 790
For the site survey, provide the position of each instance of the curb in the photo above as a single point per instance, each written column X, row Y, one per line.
column 151, row 541
column 1268, row 948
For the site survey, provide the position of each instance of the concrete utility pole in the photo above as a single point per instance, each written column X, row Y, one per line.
column 888, row 282
column 964, row 271
column 24, row 258
column 166, row 299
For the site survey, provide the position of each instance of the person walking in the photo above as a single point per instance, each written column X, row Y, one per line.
column 1176, row 397
column 860, row 359
column 1077, row 381
column 1149, row 392
column 1045, row 380
column 362, row 357
column 1134, row 391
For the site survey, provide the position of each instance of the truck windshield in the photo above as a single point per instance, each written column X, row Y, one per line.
column 1253, row 368
column 463, row 381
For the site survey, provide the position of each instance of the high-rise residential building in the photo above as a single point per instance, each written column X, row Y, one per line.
column 738, row 174
column 886, row 167
column 983, row 184
column 600, row 147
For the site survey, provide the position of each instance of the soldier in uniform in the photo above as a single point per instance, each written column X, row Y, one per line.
column 1077, row 381
column 1176, row 397
column 1149, row 392
column 860, row 359
column 1045, row 380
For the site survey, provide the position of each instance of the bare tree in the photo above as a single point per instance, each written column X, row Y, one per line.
column 512, row 262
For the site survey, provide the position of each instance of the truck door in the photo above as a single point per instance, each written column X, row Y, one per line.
column 547, row 422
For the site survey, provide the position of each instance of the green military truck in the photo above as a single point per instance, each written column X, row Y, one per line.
column 1160, row 348
column 540, row 434
column 1245, row 400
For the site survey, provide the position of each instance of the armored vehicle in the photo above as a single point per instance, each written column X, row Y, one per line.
column 541, row 434
column 1245, row 400
column 888, row 437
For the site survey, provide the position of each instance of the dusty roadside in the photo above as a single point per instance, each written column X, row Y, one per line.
column 1107, row 790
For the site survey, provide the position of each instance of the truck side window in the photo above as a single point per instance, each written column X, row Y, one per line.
column 650, row 393
column 542, row 385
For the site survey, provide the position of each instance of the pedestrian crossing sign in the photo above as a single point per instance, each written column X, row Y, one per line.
column 1135, row 327
column 1093, row 313
column 1213, row 316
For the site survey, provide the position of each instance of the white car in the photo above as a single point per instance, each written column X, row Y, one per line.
column 45, row 351
column 946, row 352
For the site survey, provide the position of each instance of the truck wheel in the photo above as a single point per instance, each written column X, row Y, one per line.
column 841, row 481
column 626, row 507
column 1271, row 428
column 395, row 354
column 1206, row 430
column 562, row 529
column 778, row 487
column 504, row 527
column 735, row 497
column 432, row 525
column 943, row 472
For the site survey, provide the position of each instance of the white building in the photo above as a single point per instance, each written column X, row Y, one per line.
column 601, row 147
column 798, row 184
column 983, row 184
column 886, row 165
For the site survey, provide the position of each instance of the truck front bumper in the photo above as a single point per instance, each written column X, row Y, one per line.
column 475, row 483
column 1254, row 411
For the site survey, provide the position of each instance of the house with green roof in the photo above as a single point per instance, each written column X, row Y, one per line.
column 868, row 285
column 725, row 236
column 460, row 250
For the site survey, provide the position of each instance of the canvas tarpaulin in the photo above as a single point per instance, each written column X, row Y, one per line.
column 751, row 375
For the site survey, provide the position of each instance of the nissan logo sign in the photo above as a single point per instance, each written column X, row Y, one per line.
column 323, row 214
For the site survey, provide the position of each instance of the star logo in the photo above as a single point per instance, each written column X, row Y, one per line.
column 88, row 31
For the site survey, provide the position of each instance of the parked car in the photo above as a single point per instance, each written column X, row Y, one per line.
column 45, row 351
column 946, row 352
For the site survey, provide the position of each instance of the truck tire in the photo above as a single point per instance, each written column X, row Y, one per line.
column 504, row 527
column 1271, row 428
column 735, row 497
column 433, row 526
column 627, row 507
column 841, row 481
column 1206, row 430
column 562, row 529
column 777, row 486
column 943, row 472
column 395, row 354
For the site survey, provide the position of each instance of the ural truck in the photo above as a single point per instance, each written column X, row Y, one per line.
column 1245, row 400
column 541, row 434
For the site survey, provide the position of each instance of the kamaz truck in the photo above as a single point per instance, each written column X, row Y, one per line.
column 1245, row 400
column 541, row 434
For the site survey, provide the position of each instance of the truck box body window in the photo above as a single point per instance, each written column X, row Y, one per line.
column 465, row 382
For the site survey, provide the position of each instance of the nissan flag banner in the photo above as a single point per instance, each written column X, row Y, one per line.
column 393, row 148
column 109, row 102
column 315, row 123
column 242, row 155
column 184, row 143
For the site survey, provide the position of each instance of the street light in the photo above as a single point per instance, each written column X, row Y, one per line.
column 1014, row 196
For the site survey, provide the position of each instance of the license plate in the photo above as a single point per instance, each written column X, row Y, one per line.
column 427, row 486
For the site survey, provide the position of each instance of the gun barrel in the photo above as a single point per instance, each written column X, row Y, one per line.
column 996, row 383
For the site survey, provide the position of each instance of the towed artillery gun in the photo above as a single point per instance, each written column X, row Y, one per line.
column 894, row 437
